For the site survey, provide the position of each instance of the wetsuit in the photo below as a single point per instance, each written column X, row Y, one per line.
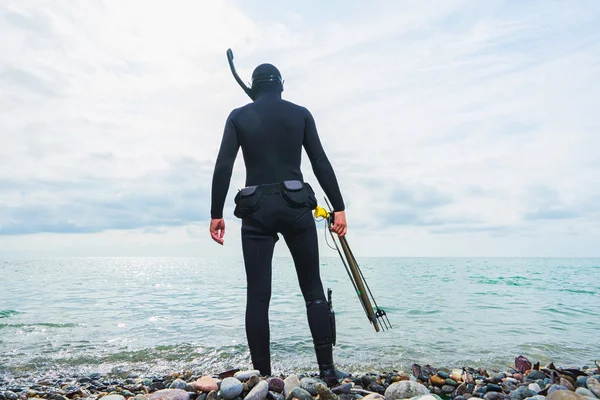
column 271, row 133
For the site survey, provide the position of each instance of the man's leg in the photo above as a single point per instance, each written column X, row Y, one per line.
column 257, row 246
column 301, row 239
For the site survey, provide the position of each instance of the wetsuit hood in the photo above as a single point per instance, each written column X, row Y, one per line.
column 266, row 78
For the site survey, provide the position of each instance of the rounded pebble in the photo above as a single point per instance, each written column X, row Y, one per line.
column 231, row 388
column 245, row 375
column 493, row 388
column 535, row 387
column 404, row 390
column 310, row 385
column 276, row 384
column 300, row 394
column 178, row 384
column 535, row 375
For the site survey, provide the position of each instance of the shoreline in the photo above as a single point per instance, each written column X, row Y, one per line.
column 523, row 380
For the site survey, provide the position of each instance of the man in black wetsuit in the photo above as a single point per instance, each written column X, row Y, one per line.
column 271, row 132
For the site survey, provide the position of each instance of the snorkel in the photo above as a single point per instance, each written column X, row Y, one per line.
column 236, row 76
column 263, row 75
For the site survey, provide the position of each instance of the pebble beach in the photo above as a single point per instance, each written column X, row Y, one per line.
column 524, row 380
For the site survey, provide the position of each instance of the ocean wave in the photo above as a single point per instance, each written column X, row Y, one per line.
column 44, row 324
column 8, row 313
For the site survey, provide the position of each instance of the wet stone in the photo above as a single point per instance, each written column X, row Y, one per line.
column 275, row 396
column 10, row 395
column 342, row 389
column 405, row 390
column 377, row 388
column 535, row 387
column 493, row 388
column 456, row 374
column 522, row 393
column 114, row 397
column 245, row 375
column 324, row 393
column 231, row 388
column 556, row 387
column 468, row 377
column 593, row 385
column 493, row 396
column 189, row 387
column 461, row 389
column 299, row 393
column 258, row 392
column 310, row 385
column 205, row 384
column 585, row 392
column 535, row 375
column 566, row 383
column 373, row 396
column 170, row 394
column 443, row 375
column 565, row 395
column 447, row 389
column 276, row 385
column 252, row 381
column 581, row 382
column 290, row 383
column 438, row 381
column 451, row 382
column 178, row 384
column 366, row 380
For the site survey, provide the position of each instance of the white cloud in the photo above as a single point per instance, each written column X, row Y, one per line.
column 457, row 128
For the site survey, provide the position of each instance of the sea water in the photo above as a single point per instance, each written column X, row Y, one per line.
column 158, row 315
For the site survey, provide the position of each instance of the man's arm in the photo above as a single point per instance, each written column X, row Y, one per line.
column 320, row 164
column 223, row 168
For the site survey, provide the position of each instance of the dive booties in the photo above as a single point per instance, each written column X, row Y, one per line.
column 324, row 339
column 328, row 375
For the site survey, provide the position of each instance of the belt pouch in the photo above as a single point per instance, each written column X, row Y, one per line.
column 247, row 201
column 297, row 194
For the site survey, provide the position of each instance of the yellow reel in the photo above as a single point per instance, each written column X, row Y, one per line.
column 321, row 212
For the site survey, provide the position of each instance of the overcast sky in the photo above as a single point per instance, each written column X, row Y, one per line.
column 455, row 127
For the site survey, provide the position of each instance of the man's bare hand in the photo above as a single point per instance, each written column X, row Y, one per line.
column 217, row 229
column 339, row 223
